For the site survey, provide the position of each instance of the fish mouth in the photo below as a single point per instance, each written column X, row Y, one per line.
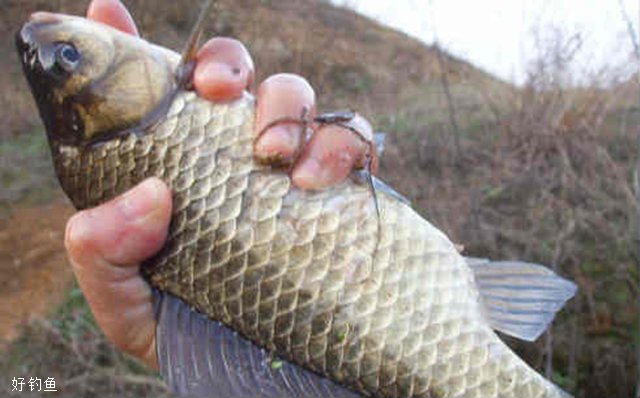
column 26, row 38
column 39, row 83
column 42, row 82
column 27, row 50
column 28, row 45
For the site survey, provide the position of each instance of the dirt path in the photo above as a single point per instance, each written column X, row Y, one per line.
column 34, row 273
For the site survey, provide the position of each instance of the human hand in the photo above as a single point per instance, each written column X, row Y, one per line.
column 106, row 244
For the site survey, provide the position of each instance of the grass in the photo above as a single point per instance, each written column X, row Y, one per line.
column 546, row 181
column 73, row 319
column 26, row 171
column 70, row 348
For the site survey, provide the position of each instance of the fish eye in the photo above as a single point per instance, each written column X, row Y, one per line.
column 67, row 56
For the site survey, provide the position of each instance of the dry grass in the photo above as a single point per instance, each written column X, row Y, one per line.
column 70, row 349
column 544, row 176
column 32, row 257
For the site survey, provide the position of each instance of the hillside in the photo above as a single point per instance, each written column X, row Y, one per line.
column 539, row 173
column 349, row 59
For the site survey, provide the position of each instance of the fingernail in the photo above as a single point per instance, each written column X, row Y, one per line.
column 310, row 175
column 141, row 201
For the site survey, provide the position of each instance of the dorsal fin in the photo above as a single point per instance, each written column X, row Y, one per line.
column 520, row 299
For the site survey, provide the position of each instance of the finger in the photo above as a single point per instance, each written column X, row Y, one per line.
column 224, row 69
column 332, row 153
column 113, row 13
column 105, row 246
column 282, row 96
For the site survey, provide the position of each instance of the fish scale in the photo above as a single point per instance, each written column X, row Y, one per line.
column 304, row 274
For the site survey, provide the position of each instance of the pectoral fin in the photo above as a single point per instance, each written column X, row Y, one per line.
column 520, row 299
column 199, row 357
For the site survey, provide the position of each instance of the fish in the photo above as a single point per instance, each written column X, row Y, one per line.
column 263, row 289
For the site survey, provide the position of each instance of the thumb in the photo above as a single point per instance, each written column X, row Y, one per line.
column 124, row 231
column 106, row 245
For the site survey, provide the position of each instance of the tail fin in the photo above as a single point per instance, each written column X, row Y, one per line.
column 521, row 299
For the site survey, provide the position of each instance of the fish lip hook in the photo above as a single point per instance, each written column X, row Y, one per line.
column 183, row 76
column 342, row 118
column 187, row 63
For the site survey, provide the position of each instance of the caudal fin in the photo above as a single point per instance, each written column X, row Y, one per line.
column 520, row 299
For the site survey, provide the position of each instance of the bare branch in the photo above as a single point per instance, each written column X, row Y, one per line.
column 444, row 81
column 633, row 36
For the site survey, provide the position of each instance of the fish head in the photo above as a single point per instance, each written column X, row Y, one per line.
column 90, row 80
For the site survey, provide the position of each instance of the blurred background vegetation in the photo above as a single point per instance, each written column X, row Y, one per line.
column 541, row 172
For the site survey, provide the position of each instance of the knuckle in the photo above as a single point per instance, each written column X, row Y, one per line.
column 343, row 146
column 342, row 136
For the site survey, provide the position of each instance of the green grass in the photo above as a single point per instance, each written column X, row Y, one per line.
column 73, row 319
column 71, row 348
column 26, row 171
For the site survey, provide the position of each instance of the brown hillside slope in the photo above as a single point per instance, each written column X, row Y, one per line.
column 351, row 60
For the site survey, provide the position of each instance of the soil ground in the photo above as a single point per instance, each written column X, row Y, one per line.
column 34, row 273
